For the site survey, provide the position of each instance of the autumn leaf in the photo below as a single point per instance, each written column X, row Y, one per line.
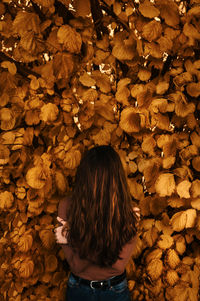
column 6, row 200
column 172, row 258
column 70, row 38
column 51, row 263
column 36, row 177
column 130, row 120
column 183, row 189
column 148, row 10
column 165, row 184
column 152, row 31
column 155, row 268
column 26, row 22
column 10, row 66
column 87, row 80
column 183, row 219
column 49, row 112
column 165, row 241
column 26, row 268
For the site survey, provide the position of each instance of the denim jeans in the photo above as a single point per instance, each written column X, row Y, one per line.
column 80, row 292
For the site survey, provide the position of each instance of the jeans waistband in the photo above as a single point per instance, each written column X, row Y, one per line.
column 102, row 283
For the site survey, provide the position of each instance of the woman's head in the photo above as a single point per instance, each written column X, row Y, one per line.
column 102, row 219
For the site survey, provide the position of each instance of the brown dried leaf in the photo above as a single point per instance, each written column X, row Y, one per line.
column 26, row 268
column 130, row 120
column 36, row 177
column 150, row 236
column 6, row 200
column 195, row 203
column 172, row 277
column 25, row 22
column 165, row 242
column 51, row 263
column 47, row 237
column 72, row 159
column 87, row 80
column 155, row 268
column 4, row 155
column 10, row 66
column 172, row 259
column 70, row 38
column 183, row 219
column 155, row 254
column 196, row 163
column 25, row 242
column 49, row 112
column 183, row 189
column 152, row 31
column 136, row 189
column 165, row 184
column 7, row 118
column 61, row 182
column 193, row 89
column 148, row 10
column 148, row 145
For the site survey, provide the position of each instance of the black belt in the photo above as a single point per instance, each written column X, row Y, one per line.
column 102, row 283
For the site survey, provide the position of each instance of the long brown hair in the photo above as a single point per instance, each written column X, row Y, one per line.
column 101, row 218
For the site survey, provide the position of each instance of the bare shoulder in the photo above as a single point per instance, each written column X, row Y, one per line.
column 63, row 206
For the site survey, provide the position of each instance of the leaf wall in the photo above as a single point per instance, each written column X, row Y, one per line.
column 124, row 73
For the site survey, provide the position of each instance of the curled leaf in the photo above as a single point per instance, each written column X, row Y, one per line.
column 26, row 268
column 36, row 177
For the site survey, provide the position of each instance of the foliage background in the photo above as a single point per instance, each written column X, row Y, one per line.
column 79, row 73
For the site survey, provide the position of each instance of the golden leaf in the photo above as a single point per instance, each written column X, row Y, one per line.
column 25, row 242
column 87, row 80
column 63, row 65
column 49, row 112
column 82, row 8
column 193, row 89
column 144, row 74
column 172, row 258
column 148, row 145
column 152, row 31
column 26, row 22
column 180, row 244
column 155, row 254
column 60, row 180
column 169, row 12
column 124, row 49
column 34, row 84
column 183, row 219
column 165, row 184
column 162, row 87
column 172, row 277
column 6, row 200
column 148, row 10
column 51, row 263
column 165, row 43
column 152, row 49
column 165, row 242
column 195, row 203
column 4, row 155
column 102, row 81
column 47, row 237
column 150, row 236
column 72, row 159
column 136, row 189
column 196, row 163
column 7, row 119
column 155, row 268
column 130, row 120
column 45, row 3
column 36, row 177
column 70, row 38
column 183, row 189
column 168, row 162
column 10, row 66
column 26, row 268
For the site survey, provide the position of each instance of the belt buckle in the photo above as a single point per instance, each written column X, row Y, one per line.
column 93, row 281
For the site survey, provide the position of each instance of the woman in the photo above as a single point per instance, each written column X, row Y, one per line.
column 98, row 228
